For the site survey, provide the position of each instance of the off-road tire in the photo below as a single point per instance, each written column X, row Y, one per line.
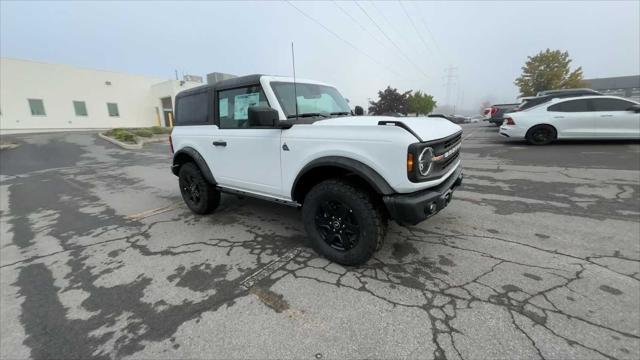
column 366, row 210
column 207, row 199
column 541, row 135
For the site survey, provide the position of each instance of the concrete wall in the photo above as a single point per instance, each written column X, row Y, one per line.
column 59, row 85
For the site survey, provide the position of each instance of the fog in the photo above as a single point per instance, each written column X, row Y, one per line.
column 359, row 47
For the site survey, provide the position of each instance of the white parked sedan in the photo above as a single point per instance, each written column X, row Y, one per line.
column 585, row 117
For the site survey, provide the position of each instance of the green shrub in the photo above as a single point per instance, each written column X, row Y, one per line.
column 142, row 132
column 122, row 135
column 160, row 130
column 127, row 137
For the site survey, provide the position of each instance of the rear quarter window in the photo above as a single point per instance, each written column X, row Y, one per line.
column 608, row 104
column 192, row 109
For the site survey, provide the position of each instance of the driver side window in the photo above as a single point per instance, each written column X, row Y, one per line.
column 233, row 105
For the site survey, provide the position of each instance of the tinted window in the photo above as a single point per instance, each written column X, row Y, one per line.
column 80, row 108
column 610, row 104
column 233, row 105
column 37, row 107
column 112, row 108
column 192, row 109
column 570, row 106
column 533, row 102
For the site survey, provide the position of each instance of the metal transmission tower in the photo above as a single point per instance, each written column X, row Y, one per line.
column 451, row 75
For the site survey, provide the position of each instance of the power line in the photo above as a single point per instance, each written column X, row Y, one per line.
column 367, row 31
column 424, row 23
column 415, row 28
column 391, row 41
column 451, row 75
column 342, row 39
column 358, row 23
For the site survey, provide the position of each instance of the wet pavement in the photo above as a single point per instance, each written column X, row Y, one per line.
column 538, row 256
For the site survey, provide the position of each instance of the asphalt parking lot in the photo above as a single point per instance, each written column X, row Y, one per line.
column 538, row 256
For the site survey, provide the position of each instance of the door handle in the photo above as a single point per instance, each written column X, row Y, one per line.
column 219, row 143
column 558, row 117
column 606, row 115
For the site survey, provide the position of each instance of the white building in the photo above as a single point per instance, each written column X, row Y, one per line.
column 36, row 96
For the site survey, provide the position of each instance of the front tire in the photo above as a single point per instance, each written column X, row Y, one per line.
column 200, row 196
column 541, row 135
column 343, row 222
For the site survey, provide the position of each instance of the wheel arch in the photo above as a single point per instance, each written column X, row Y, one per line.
column 189, row 154
column 337, row 166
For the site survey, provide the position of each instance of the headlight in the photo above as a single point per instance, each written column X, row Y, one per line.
column 424, row 161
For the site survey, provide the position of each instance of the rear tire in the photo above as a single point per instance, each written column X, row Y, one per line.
column 343, row 221
column 200, row 196
column 541, row 135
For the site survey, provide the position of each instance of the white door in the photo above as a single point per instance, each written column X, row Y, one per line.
column 245, row 158
column 571, row 118
column 612, row 119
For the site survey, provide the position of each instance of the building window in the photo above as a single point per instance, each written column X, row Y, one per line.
column 113, row 109
column 37, row 107
column 80, row 108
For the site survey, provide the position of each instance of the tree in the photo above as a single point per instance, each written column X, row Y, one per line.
column 420, row 103
column 389, row 101
column 548, row 70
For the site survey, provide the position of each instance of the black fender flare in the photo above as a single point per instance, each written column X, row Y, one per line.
column 375, row 180
column 193, row 154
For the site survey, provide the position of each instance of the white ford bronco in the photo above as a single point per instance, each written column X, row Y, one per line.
column 299, row 144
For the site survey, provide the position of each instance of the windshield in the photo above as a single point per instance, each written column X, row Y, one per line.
column 312, row 99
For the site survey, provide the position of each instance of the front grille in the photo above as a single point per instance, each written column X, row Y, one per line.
column 450, row 160
column 449, row 143
column 442, row 147
column 446, row 153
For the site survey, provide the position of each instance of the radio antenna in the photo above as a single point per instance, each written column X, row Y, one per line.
column 295, row 87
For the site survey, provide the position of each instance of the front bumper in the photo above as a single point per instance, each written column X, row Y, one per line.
column 412, row 208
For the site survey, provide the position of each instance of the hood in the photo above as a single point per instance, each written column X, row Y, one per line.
column 427, row 128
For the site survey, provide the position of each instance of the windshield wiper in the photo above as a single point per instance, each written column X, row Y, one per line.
column 340, row 113
column 307, row 115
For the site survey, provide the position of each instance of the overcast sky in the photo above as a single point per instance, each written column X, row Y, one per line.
column 487, row 42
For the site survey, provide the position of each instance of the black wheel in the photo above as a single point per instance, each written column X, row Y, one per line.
column 541, row 135
column 343, row 221
column 200, row 196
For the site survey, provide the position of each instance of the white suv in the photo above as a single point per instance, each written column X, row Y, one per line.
column 350, row 174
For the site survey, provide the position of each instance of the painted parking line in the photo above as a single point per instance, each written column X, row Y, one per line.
column 270, row 268
column 148, row 213
column 466, row 137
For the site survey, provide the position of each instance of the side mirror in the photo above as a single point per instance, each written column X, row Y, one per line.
column 359, row 111
column 634, row 108
column 263, row 116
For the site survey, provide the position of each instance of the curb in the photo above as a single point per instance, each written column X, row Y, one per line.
column 136, row 146
column 8, row 146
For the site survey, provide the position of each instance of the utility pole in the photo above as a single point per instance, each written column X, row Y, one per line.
column 451, row 74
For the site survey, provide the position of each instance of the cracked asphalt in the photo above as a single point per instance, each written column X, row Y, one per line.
column 538, row 256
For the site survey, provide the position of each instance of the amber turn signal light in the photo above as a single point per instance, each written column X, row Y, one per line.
column 409, row 162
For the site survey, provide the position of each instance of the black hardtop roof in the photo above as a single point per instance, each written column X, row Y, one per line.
column 225, row 84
